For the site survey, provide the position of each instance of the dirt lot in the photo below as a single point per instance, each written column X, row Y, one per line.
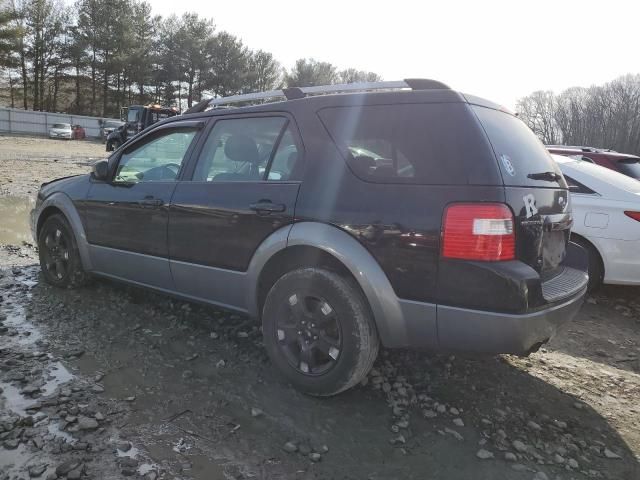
column 109, row 381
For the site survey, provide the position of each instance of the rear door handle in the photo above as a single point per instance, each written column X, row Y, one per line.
column 151, row 202
column 266, row 206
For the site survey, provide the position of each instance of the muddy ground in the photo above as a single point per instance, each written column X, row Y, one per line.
column 108, row 382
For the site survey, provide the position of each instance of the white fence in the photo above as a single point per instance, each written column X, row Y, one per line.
column 13, row 120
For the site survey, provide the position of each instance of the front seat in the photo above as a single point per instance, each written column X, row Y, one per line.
column 241, row 148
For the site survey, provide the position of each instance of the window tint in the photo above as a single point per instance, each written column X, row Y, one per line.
column 157, row 160
column 238, row 149
column 409, row 143
column 518, row 150
column 577, row 187
column 133, row 115
column 285, row 159
column 631, row 169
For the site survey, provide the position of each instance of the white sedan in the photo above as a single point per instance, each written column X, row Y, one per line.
column 61, row 130
column 606, row 213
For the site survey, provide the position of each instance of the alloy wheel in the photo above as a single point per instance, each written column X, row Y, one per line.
column 309, row 334
column 56, row 253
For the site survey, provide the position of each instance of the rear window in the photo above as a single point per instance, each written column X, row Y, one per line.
column 408, row 143
column 630, row 168
column 519, row 152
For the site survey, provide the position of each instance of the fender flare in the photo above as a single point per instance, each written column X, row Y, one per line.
column 385, row 305
column 63, row 203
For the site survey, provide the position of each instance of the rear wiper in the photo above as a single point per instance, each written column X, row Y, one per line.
column 548, row 176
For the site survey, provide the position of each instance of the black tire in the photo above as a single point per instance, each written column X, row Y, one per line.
column 596, row 266
column 341, row 342
column 59, row 256
column 112, row 145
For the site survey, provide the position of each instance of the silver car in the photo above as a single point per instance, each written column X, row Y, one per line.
column 61, row 130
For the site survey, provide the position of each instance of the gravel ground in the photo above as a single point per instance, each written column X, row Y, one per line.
column 109, row 381
column 26, row 162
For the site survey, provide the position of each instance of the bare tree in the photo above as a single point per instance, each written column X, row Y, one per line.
column 606, row 116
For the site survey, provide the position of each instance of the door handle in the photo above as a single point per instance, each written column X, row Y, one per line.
column 151, row 202
column 267, row 207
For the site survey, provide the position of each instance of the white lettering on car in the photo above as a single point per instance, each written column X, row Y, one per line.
column 530, row 205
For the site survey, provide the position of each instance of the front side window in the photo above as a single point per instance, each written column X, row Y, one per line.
column 241, row 149
column 157, row 160
column 133, row 115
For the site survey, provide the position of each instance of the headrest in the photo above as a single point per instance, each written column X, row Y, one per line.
column 241, row 148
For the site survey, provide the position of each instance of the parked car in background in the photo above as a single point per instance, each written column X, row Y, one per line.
column 606, row 220
column 620, row 162
column 78, row 132
column 109, row 126
column 61, row 130
column 412, row 216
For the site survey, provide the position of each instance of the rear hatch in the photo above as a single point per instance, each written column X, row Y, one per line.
column 535, row 190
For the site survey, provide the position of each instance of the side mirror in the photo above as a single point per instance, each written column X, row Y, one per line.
column 101, row 170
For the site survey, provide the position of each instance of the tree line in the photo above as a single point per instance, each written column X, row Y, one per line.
column 606, row 116
column 96, row 56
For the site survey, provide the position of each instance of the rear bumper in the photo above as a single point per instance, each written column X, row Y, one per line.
column 538, row 309
column 489, row 332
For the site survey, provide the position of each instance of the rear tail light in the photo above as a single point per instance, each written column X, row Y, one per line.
column 478, row 231
column 634, row 215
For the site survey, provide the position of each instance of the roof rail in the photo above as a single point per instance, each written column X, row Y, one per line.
column 294, row 93
column 574, row 147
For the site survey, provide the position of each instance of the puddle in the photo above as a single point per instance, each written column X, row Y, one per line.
column 131, row 453
column 14, row 227
column 13, row 461
column 202, row 467
column 28, row 334
column 13, row 400
column 58, row 375
column 54, row 429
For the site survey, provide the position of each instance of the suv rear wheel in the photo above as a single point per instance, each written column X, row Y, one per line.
column 318, row 331
column 59, row 255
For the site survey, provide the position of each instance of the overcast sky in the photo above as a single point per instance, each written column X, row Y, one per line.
column 497, row 49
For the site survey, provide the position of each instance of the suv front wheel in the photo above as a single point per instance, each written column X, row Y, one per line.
column 318, row 331
column 59, row 256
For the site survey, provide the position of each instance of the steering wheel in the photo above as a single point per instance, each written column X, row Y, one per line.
column 168, row 171
column 174, row 168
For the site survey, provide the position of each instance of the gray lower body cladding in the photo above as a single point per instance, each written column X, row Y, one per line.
column 489, row 332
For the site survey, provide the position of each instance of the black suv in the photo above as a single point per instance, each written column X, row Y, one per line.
column 406, row 214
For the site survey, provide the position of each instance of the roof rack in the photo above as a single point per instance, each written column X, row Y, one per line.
column 583, row 149
column 574, row 147
column 294, row 93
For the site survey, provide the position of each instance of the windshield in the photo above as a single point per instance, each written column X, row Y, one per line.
column 112, row 124
column 632, row 169
column 63, row 126
column 133, row 115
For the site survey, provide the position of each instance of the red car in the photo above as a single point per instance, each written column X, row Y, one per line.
column 77, row 132
column 620, row 162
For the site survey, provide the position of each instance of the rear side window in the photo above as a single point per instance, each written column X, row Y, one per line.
column 630, row 168
column 577, row 187
column 407, row 143
column 520, row 154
